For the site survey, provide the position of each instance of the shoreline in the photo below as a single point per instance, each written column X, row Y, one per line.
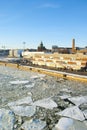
column 65, row 75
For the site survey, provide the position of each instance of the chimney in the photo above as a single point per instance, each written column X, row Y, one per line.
column 73, row 45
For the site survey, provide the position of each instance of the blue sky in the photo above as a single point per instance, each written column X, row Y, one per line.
column 55, row 22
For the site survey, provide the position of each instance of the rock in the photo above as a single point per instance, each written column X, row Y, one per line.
column 7, row 119
column 34, row 124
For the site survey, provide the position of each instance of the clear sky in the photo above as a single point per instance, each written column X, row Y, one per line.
column 55, row 22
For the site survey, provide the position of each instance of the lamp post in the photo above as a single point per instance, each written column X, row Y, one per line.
column 24, row 45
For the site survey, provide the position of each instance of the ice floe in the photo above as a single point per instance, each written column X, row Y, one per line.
column 30, row 85
column 7, row 119
column 34, row 124
column 45, row 103
column 72, row 112
column 26, row 100
column 85, row 113
column 65, row 96
column 38, row 76
column 78, row 100
column 22, row 107
column 65, row 90
column 19, row 82
column 70, row 124
column 27, row 111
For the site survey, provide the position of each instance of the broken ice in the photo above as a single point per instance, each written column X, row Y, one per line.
column 19, row 82
column 27, row 111
column 64, row 96
column 34, row 124
column 26, row 100
column 72, row 112
column 85, row 113
column 45, row 103
column 7, row 119
column 30, row 85
column 38, row 76
column 22, row 108
column 70, row 124
column 78, row 100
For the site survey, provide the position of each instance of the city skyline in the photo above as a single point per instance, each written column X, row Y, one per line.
column 54, row 22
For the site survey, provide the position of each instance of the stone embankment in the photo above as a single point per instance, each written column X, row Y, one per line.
column 34, row 101
column 54, row 73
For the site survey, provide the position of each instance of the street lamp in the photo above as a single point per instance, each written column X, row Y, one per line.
column 24, row 45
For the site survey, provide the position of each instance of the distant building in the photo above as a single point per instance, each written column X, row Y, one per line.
column 28, row 54
column 54, row 48
column 64, row 50
column 61, row 50
column 41, row 47
column 4, row 52
column 15, row 52
column 84, row 51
